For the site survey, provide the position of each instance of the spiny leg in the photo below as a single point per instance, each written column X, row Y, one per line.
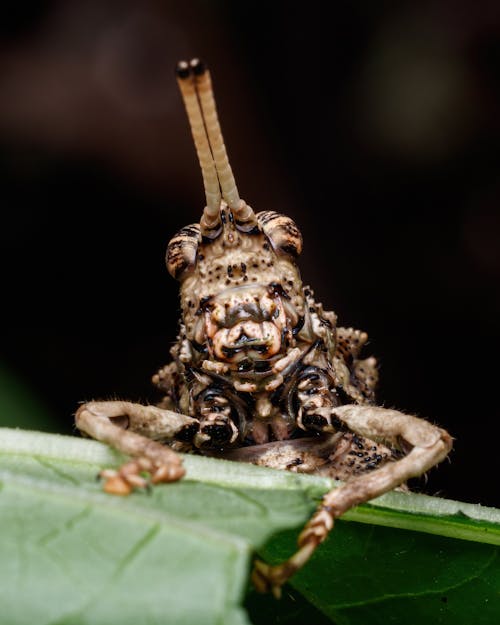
column 131, row 428
column 429, row 445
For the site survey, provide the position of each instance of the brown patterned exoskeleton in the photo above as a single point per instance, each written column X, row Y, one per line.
column 260, row 372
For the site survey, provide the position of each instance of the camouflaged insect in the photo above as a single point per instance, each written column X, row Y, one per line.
column 260, row 372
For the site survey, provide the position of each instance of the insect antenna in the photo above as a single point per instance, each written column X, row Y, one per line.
column 243, row 214
column 210, row 220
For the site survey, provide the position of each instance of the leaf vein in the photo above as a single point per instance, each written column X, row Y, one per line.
column 135, row 550
column 48, row 465
column 415, row 595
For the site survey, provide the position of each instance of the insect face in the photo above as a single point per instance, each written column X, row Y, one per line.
column 241, row 293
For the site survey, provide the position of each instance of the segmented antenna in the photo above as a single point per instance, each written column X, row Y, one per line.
column 207, row 101
column 211, row 215
column 196, row 88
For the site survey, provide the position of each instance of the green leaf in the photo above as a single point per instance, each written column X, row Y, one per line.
column 72, row 555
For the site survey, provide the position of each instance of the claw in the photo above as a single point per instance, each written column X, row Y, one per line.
column 137, row 481
column 267, row 578
column 117, row 485
column 166, row 473
column 139, row 473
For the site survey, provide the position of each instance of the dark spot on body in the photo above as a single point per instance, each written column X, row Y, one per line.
column 299, row 326
column 192, row 231
column 187, row 433
column 314, row 421
column 218, row 433
column 275, row 288
column 198, row 347
column 289, row 249
column 261, row 366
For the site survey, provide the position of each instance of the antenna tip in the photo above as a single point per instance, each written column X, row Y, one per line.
column 197, row 66
column 182, row 69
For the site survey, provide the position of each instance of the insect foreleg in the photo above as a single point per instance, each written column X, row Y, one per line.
column 215, row 412
column 129, row 428
column 316, row 400
column 428, row 445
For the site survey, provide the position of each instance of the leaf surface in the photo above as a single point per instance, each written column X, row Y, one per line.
column 183, row 553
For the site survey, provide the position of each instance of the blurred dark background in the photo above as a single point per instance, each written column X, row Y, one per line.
column 377, row 129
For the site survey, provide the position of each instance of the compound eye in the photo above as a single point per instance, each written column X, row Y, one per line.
column 282, row 232
column 182, row 251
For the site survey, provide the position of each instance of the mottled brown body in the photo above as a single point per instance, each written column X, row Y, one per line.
column 253, row 338
column 260, row 372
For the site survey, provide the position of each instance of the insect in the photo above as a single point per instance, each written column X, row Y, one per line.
column 260, row 372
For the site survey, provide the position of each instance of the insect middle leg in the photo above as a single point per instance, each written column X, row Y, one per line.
column 136, row 430
column 429, row 445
